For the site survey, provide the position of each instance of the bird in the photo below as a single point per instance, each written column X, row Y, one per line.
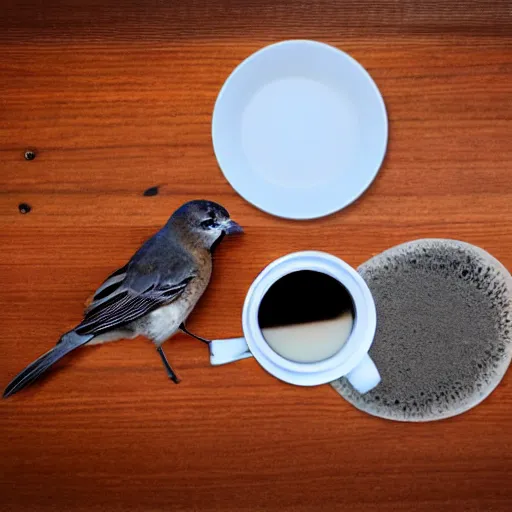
column 153, row 294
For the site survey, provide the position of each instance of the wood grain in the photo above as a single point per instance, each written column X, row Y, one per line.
column 117, row 97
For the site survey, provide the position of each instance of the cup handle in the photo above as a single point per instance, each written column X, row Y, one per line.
column 364, row 376
column 228, row 351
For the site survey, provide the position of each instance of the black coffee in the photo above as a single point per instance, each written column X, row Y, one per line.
column 306, row 316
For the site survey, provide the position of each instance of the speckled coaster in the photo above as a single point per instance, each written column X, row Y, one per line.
column 444, row 330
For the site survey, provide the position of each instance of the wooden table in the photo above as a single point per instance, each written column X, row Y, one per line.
column 116, row 97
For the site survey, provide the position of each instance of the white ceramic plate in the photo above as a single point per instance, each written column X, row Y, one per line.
column 300, row 129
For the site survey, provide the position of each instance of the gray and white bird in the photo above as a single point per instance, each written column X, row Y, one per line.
column 153, row 294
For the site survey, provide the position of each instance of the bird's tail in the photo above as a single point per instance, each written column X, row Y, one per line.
column 68, row 342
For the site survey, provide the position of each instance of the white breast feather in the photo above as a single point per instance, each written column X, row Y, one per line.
column 165, row 321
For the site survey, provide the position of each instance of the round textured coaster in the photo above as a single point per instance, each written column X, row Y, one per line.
column 444, row 330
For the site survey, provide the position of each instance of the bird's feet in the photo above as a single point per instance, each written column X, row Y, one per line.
column 186, row 331
column 168, row 368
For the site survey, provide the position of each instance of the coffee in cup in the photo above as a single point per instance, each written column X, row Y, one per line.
column 306, row 316
column 303, row 291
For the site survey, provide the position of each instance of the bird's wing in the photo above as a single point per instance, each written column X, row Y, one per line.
column 146, row 283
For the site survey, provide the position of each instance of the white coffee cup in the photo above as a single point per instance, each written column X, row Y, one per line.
column 351, row 361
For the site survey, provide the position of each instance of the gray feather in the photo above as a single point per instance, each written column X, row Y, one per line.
column 33, row 371
column 156, row 275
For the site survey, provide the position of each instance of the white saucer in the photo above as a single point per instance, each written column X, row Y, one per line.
column 300, row 129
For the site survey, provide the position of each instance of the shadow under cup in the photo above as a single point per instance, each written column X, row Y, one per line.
column 306, row 316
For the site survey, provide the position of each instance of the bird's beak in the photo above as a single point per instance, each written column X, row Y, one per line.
column 232, row 228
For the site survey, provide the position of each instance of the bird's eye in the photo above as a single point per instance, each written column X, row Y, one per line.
column 208, row 223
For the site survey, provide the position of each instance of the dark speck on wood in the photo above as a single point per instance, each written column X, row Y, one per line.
column 29, row 154
column 151, row 191
column 24, row 208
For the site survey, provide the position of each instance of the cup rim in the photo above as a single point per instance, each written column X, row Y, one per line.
column 352, row 351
